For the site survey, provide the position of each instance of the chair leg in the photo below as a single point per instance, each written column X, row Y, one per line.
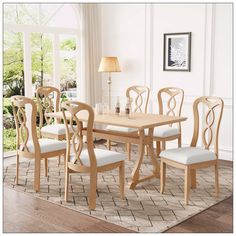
column 37, row 174
column 186, row 184
column 193, row 178
column 45, row 167
column 66, row 183
column 65, row 162
column 109, row 144
column 158, row 148
column 162, row 176
column 217, row 189
column 128, row 148
column 59, row 160
column 92, row 191
column 122, row 179
column 163, row 145
column 179, row 141
column 17, row 168
column 146, row 150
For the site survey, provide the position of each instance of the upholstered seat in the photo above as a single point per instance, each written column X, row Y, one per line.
column 164, row 131
column 47, row 145
column 58, row 129
column 188, row 155
column 103, row 157
column 120, row 129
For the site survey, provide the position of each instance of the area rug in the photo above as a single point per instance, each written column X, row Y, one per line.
column 144, row 209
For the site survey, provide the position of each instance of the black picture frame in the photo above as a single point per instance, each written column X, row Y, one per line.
column 177, row 52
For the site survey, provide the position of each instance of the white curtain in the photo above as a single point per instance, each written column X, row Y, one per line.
column 90, row 84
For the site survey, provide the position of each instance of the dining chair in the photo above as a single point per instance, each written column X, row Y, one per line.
column 87, row 159
column 48, row 100
column 139, row 97
column 170, row 101
column 192, row 158
column 28, row 145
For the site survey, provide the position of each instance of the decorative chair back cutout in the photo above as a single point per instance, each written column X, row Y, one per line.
column 19, row 104
column 172, row 105
column 74, row 130
column 139, row 97
column 48, row 99
column 212, row 113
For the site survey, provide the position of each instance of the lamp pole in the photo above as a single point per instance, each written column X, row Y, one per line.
column 109, row 90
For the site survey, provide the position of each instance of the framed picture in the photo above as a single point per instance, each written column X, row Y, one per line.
column 177, row 52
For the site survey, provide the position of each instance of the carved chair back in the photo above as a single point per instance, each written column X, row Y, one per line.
column 174, row 101
column 74, row 131
column 25, row 122
column 139, row 97
column 212, row 113
column 48, row 99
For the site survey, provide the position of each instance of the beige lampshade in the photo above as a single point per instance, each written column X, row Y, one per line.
column 109, row 64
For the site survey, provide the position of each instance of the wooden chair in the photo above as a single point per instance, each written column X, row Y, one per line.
column 191, row 158
column 89, row 160
column 139, row 95
column 27, row 143
column 48, row 100
column 173, row 107
column 45, row 98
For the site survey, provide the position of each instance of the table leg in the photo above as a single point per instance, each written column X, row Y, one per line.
column 135, row 172
column 156, row 166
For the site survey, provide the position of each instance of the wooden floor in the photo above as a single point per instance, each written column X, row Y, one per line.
column 25, row 213
column 216, row 219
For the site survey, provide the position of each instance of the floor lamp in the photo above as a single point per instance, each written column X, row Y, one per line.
column 109, row 64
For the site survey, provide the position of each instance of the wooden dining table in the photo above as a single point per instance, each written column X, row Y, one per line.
column 138, row 121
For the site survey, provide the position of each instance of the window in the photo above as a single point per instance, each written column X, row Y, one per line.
column 48, row 40
column 40, row 48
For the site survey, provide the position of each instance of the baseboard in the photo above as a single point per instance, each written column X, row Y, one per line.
column 225, row 155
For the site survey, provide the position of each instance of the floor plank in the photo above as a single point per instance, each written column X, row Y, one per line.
column 216, row 219
column 24, row 213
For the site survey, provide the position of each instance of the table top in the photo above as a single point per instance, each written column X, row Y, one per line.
column 137, row 120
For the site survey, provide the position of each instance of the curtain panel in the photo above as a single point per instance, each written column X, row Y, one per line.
column 90, row 83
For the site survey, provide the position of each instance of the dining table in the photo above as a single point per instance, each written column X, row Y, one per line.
column 142, row 125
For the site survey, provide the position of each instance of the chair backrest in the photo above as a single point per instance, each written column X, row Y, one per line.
column 139, row 97
column 74, row 128
column 48, row 99
column 23, row 131
column 212, row 114
column 174, row 97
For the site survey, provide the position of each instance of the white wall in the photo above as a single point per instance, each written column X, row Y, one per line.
column 123, row 35
column 134, row 33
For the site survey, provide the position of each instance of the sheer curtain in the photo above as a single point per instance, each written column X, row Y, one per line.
column 90, row 84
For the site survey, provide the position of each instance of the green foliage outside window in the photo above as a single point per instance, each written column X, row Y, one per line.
column 41, row 59
column 9, row 140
